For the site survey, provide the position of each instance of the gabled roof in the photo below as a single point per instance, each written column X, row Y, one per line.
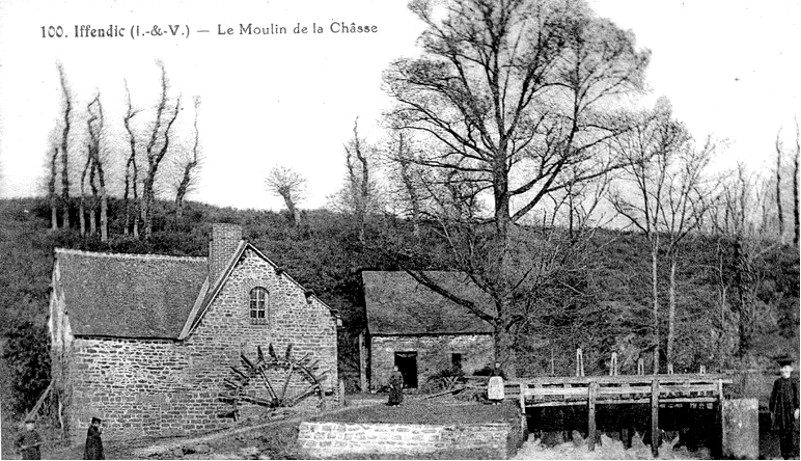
column 397, row 304
column 143, row 296
column 130, row 296
column 208, row 293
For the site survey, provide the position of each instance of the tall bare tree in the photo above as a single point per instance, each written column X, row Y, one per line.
column 796, row 158
column 189, row 166
column 156, row 148
column 290, row 186
column 509, row 94
column 131, row 189
column 359, row 195
column 652, row 148
column 689, row 196
column 65, row 135
column 95, row 126
column 87, row 166
column 779, row 211
column 406, row 174
column 51, row 188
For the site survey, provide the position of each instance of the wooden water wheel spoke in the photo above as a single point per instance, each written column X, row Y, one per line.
column 299, row 398
column 286, row 383
column 268, row 385
column 256, row 383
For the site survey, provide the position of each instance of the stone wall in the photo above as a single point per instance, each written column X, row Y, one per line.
column 433, row 354
column 170, row 387
column 324, row 440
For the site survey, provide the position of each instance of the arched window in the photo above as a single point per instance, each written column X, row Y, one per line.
column 259, row 303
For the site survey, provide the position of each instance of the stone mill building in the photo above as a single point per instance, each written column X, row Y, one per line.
column 420, row 331
column 148, row 342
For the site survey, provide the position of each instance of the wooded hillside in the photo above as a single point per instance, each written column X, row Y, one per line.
column 601, row 306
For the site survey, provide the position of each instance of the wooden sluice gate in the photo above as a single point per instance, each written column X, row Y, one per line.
column 695, row 390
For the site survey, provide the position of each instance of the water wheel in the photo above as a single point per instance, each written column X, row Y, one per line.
column 275, row 381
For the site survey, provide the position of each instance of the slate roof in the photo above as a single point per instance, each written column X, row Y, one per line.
column 130, row 296
column 397, row 304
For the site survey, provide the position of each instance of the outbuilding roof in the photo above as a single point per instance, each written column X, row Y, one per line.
column 131, row 296
column 397, row 304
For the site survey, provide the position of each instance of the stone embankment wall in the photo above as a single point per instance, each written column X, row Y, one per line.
column 325, row 439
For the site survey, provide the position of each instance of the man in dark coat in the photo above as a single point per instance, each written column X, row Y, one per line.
column 29, row 441
column 784, row 408
column 395, row 388
column 94, row 445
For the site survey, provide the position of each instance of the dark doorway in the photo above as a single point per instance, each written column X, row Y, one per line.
column 456, row 362
column 407, row 365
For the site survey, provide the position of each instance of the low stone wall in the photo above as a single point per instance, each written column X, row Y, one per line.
column 324, row 440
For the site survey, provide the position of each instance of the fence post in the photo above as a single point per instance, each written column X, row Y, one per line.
column 655, row 417
column 592, row 392
column 579, row 362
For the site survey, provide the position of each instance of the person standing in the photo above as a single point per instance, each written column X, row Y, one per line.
column 784, row 410
column 94, row 444
column 29, row 441
column 495, row 388
column 395, row 388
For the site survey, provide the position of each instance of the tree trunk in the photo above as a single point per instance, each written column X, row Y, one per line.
column 103, row 215
column 53, row 214
column 51, row 190
column 93, row 218
column 81, row 218
column 504, row 350
column 671, row 310
column 655, row 294
column 741, row 277
column 779, row 211
column 797, row 225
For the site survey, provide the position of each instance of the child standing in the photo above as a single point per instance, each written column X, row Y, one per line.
column 784, row 408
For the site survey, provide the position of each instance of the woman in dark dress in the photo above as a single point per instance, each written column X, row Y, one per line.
column 784, row 408
column 94, row 445
column 395, row 388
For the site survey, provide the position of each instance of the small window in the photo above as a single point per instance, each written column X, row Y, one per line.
column 259, row 301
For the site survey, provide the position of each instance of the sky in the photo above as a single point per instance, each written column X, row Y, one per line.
column 730, row 68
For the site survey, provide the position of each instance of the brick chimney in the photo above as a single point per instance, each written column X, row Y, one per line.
column 224, row 240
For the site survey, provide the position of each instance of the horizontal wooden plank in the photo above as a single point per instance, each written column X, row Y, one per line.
column 684, row 391
column 558, row 403
column 622, row 379
column 565, row 391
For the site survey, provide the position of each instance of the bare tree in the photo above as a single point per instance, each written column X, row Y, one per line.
column 510, row 94
column 189, row 166
column 406, row 174
column 652, row 148
column 736, row 219
column 65, row 134
column 796, row 224
column 779, row 212
column 51, row 188
column 95, row 126
column 131, row 187
column 689, row 196
column 290, row 186
column 157, row 147
column 359, row 195
column 82, row 202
